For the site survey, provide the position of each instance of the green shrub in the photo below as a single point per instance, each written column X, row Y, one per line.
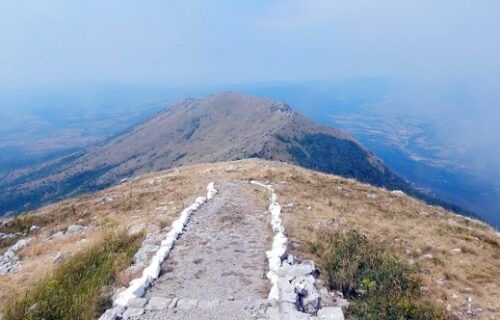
column 74, row 291
column 377, row 282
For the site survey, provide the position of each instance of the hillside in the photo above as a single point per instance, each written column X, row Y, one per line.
column 220, row 127
column 456, row 258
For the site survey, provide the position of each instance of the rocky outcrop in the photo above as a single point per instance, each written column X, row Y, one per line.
column 10, row 260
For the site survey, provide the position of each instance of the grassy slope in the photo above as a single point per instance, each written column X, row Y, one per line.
column 418, row 233
column 75, row 289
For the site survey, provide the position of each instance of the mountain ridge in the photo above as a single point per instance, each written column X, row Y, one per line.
column 220, row 127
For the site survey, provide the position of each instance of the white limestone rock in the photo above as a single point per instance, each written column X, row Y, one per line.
column 76, row 228
column 330, row 313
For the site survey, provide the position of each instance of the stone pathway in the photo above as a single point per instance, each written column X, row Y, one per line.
column 217, row 269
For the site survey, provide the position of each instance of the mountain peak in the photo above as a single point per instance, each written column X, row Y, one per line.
column 219, row 127
column 231, row 101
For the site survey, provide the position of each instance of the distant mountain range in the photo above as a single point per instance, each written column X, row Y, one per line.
column 227, row 126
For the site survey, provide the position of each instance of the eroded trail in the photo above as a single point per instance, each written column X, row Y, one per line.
column 217, row 269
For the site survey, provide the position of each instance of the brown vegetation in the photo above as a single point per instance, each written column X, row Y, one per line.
column 457, row 257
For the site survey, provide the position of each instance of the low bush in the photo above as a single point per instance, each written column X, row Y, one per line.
column 75, row 289
column 377, row 282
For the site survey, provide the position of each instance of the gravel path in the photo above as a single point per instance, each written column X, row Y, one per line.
column 217, row 269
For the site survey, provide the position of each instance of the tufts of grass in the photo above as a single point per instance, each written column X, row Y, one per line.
column 75, row 289
column 376, row 281
column 19, row 224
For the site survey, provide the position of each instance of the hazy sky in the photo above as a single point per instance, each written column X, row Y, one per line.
column 446, row 52
column 199, row 42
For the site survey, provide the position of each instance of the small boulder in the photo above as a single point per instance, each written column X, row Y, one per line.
column 309, row 297
column 108, row 200
column 76, row 228
column 20, row 244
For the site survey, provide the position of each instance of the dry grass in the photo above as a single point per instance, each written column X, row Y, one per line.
column 155, row 200
column 459, row 258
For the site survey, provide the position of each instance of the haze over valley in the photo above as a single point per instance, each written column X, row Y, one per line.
column 243, row 160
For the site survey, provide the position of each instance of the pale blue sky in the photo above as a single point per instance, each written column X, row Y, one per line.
column 445, row 52
column 183, row 42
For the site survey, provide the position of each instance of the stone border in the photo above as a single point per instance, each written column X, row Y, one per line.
column 137, row 287
column 294, row 293
column 278, row 252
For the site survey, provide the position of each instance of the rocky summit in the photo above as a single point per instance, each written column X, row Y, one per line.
column 220, row 127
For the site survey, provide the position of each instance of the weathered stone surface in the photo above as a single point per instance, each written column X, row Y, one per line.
column 330, row 313
column 137, row 303
column 143, row 256
column 132, row 313
column 20, row 244
column 110, row 314
column 208, row 304
column 342, row 303
column 158, row 303
column 287, row 307
column 173, row 303
column 113, row 313
column 11, row 235
column 186, row 304
column 76, row 228
column 309, row 297
column 9, row 260
column 290, row 272
column 294, row 315
column 57, row 235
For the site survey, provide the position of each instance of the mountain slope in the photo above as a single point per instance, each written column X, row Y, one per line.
column 458, row 258
column 227, row 126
